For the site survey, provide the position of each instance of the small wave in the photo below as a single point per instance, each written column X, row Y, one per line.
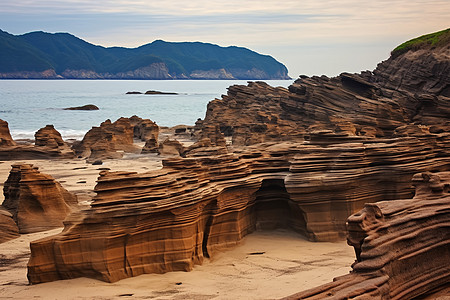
column 66, row 134
column 72, row 134
column 22, row 134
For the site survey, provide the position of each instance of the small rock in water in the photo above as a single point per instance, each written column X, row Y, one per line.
column 84, row 107
column 97, row 162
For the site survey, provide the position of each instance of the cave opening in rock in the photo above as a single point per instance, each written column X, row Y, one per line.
column 274, row 208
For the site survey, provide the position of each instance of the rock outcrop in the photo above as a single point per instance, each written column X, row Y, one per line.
column 194, row 207
column 36, row 201
column 8, row 228
column 402, row 247
column 48, row 144
column 315, row 154
column 107, row 140
column 411, row 88
column 84, row 107
column 5, row 135
column 111, row 140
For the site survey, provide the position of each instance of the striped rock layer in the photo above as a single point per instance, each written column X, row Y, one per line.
column 402, row 247
column 171, row 219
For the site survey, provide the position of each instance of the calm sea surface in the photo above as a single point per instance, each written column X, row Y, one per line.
column 28, row 105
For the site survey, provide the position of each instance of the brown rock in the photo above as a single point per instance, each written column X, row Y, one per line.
column 36, row 201
column 171, row 147
column 194, row 207
column 8, row 228
column 5, row 135
column 48, row 136
column 105, row 141
column 49, row 144
column 401, row 247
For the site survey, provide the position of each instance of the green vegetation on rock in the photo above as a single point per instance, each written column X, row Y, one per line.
column 435, row 39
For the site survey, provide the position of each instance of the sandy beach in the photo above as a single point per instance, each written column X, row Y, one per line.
column 265, row 265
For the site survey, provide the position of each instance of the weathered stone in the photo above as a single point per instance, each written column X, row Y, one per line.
column 402, row 247
column 36, row 201
column 5, row 135
column 8, row 228
column 49, row 144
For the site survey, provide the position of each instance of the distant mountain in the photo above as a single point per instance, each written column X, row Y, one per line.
column 62, row 55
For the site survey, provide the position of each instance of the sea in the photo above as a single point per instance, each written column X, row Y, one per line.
column 28, row 105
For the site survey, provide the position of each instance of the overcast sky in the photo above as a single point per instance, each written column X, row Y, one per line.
column 311, row 37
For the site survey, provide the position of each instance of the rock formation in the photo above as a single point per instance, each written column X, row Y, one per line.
column 106, row 140
column 171, row 147
column 412, row 88
column 5, row 135
column 402, row 247
column 84, row 107
column 49, row 144
column 8, row 228
column 111, row 140
column 194, row 207
column 36, row 201
column 315, row 154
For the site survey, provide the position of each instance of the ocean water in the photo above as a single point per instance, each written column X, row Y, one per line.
column 28, row 105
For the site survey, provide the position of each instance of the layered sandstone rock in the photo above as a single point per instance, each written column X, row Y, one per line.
column 411, row 88
column 5, row 135
column 147, row 131
column 8, row 228
column 352, row 140
column 111, row 140
column 107, row 140
column 36, row 201
column 171, row 147
column 49, row 144
column 402, row 247
column 194, row 207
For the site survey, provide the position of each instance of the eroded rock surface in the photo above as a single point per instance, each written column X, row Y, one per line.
column 49, row 144
column 36, row 201
column 194, row 207
column 412, row 88
column 8, row 228
column 402, row 247
column 315, row 154
column 5, row 135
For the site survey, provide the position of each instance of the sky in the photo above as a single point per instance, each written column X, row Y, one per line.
column 311, row 37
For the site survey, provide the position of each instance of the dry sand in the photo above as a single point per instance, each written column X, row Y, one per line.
column 285, row 264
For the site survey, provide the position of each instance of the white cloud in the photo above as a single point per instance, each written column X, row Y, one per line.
column 339, row 30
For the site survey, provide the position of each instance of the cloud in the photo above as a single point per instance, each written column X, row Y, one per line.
column 293, row 31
